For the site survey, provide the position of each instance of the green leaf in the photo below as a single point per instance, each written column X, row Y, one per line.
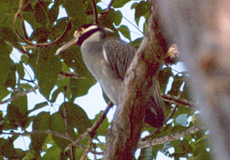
column 201, row 153
column 137, row 42
column 40, row 34
column 117, row 17
column 20, row 70
column 75, row 9
column 53, row 13
column 11, row 79
column 9, row 37
column 40, row 122
column 3, row 92
column 76, row 117
column 47, row 70
column 5, row 61
column 6, row 148
column 39, row 106
column 19, row 154
column 21, row 103
column 15, row 116
column 57, row 124
column 124, row 31
column 141, row 9
column 52, row 153
column 40, row 13
column 119, row 3
column 177, row 146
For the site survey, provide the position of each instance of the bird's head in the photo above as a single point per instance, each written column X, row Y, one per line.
column 83, row 33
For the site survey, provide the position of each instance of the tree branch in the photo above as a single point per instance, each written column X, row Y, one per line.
column 91, row 131
column 25, row 38
column 168, row 138
column 128, row 120
column 94, row 11
column 179, row 101
column 105, row 13
column 20, row 94
column 63, row 74
column 41, row 132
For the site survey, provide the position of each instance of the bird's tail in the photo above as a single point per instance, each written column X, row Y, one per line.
column 155, row 109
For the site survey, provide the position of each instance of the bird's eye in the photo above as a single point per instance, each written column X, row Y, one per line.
column 81, row 29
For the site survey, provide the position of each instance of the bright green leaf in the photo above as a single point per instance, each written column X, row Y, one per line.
column 52, row 153
column 141, row 9
column 119, row 3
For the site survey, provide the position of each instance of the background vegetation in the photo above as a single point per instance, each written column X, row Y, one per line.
column 66, row 74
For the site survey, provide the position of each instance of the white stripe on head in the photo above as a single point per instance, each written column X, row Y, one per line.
column 90, row 28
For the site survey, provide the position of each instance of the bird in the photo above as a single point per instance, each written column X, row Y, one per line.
column 108, row 59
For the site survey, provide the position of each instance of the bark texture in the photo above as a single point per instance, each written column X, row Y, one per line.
column 128, row 120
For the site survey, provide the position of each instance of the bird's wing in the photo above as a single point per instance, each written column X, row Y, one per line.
column 118, row 55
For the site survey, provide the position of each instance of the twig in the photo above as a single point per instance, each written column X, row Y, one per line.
column 20, row 94
column 69, row 74
column 19, row 14
column 41, row 132
column 168, row 138
column 150, row 135
column 184, row 150
column 91, row 131
column 64, row 113
column 72, row 153
column 94, row 11
column 176, row 100
column 105, row 13
column 87, row 149
column 174, row 109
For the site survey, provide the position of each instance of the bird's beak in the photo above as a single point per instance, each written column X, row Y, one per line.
column 69, row 43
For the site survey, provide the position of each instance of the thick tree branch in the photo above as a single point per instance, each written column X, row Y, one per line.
column 128, row 120
column 168, row 138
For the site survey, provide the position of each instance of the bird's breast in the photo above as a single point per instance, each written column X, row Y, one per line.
column 102, row 72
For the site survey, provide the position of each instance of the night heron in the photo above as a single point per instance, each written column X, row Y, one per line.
column 108, row 60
